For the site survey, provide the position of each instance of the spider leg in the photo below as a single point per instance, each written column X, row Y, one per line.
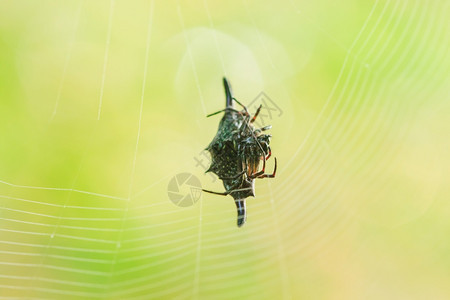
column 256, row 114
column 216, row 193
column 257, row 174
column 269, row 154
column 222, row 110
column 259, row 130
column 244, row 166
column 245, row 125
column 243, row 106
column 270, row 175
column 259, row 145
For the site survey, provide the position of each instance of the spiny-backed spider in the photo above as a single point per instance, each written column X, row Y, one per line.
column 237, row 151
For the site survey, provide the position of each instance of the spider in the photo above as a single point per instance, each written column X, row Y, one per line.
column 237, row 151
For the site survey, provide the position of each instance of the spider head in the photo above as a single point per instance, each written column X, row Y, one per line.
column 264, row 141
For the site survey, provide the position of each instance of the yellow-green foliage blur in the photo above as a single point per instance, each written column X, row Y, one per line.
column 103, row 102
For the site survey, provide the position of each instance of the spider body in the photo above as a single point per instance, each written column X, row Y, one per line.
column 237, row 151
column 254, row 148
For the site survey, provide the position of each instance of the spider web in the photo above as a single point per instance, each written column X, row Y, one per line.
column 85, row 213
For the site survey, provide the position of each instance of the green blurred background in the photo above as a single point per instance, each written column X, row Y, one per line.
column 103, row 102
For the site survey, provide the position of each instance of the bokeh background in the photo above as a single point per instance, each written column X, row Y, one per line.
column 103, row 102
